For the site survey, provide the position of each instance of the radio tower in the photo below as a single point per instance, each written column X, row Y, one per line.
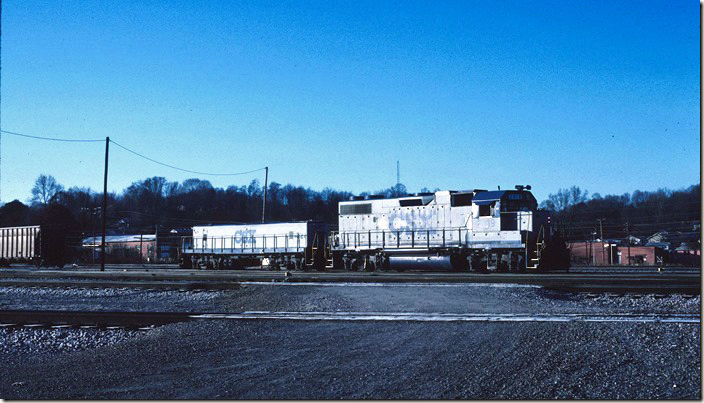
column 398, row 173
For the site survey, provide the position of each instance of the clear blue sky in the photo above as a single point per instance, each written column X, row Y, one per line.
column 466, row 94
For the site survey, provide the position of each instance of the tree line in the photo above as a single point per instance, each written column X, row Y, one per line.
column 156, row 201
column 641, row 213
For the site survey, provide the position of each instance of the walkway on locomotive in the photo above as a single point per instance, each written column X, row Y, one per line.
column 473, row 219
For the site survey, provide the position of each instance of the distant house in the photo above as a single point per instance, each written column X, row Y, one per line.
column 661, row 245
column 658, row 236
column 688, row 253
column 675, row 237
column 689, row 248
column 631, row 240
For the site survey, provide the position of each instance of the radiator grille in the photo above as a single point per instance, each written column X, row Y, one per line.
column 362, row 208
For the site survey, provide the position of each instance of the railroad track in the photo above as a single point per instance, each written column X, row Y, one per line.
column 111, row 284
column 684, row 283
column 92, row 319
column 149, row 320
column 39, row 284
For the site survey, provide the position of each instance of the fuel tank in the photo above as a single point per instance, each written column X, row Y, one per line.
column 420, row 262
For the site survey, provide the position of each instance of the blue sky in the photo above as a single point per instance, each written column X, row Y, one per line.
column 466, row 94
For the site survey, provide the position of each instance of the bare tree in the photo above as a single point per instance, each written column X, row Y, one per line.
column 45, row 188
column 576, row 195
column 565, row 198
column 193, row 184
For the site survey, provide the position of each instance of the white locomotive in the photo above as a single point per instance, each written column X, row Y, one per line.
column 447, row 230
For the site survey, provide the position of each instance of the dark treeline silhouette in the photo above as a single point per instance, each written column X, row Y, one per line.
column 156, row 201
column 639, row 214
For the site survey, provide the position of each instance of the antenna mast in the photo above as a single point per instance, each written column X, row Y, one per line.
column 398, row 173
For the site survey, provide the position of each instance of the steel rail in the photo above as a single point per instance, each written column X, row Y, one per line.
column 108, row 319
column 593, row 287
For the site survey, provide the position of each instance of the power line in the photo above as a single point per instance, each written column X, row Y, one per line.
column 131, row 151
column 51, row 138
column 184, row 170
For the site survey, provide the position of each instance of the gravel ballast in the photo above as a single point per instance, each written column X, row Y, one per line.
column 284, row 359
column 446, row 298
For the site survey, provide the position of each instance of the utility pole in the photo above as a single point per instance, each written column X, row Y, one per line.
column 156, row 243
column 601, row 235
column 628, row 239
column 105, row 203
column 266, row 179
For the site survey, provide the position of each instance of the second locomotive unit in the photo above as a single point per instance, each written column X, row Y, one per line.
column 475, row 230
column 290, row 246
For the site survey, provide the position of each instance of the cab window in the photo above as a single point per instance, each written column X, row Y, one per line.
column 485, row 210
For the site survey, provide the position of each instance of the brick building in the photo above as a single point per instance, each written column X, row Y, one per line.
column 122, row 248
column 607, row 253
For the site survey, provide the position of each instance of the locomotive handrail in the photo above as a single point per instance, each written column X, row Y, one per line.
column 417, row 238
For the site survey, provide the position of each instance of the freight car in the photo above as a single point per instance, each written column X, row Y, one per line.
column 291, row 246
column 41, row 245
column 475, row 230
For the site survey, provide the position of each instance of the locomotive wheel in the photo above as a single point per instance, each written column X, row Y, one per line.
column 503, row 265
column 381, row 263
column 368, row 264
column 351, row 263
column 337, row 261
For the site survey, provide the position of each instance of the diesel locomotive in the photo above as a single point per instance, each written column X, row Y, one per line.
column 474, row 230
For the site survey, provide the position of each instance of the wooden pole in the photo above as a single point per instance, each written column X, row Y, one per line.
column 266, row 178
column 601, row 234
column 156, row 243
column 628, row 237
column 105, row 203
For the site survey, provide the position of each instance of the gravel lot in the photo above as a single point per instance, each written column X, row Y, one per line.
column 286, row 359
